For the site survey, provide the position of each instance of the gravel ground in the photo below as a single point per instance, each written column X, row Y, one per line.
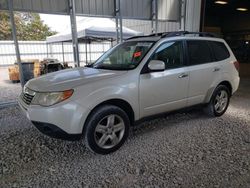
column 9, row 91
column 180, row 150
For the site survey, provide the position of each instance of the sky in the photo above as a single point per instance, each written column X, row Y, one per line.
column 57, row 22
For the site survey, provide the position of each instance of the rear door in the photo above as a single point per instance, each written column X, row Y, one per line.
column 203, row 70
column 166, row 90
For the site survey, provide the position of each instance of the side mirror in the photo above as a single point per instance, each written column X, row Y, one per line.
column 156, row 65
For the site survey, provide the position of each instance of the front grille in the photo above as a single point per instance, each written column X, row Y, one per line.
column 27, row 95
column 27, row 98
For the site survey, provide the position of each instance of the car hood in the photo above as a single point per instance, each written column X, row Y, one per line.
column 70, row 78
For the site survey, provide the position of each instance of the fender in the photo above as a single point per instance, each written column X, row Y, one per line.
column 108, row 93
column 224, row 77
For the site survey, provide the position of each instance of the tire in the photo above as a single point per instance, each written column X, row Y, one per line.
column 106, row 129
column 212, row 108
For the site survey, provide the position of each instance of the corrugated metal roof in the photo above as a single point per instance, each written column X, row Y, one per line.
column 95, row 7
column 130, row 9
column 146, row 27
column 139, row 9
column 169, row 10
column 83, row 7
column 3, row 5
column 193, row 15
column 40, row 6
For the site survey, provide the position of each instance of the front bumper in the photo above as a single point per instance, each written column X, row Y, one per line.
column 54, row 131
column 63, row 120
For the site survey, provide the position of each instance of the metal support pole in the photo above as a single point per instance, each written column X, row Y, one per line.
column 51, row 49
column 90, row 52
column 152, row 16
column 154, row 21
column 47, row 50
column 86, row 50
column 203, row 15
column 152, row 26
column 120, row 20
column 117, row 29
column 183, row 15
column 121, row 32
column 74, row 32
column 117, row 26
column 63, row 52
column 156, row 16
column 18, row 57
column 111, row 42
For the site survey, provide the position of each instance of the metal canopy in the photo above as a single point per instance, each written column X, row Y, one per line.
column 93, row 28
column 83, row 7
column 39, row 6
column 168, row 10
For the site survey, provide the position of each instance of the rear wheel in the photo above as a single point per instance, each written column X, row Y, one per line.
column 106, row 129
column 219, row 101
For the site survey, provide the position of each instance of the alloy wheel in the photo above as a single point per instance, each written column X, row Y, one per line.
column 221, row 101
column 109, row 131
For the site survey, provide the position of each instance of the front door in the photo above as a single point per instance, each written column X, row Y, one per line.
column 166, row 90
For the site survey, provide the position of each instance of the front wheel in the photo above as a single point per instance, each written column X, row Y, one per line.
column 219, row 101
column 106, row 129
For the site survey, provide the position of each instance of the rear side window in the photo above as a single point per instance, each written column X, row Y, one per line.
column 220, row 50
column 198, row 52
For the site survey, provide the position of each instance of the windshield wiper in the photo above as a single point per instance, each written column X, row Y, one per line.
column 110, row 68
column 89, row 65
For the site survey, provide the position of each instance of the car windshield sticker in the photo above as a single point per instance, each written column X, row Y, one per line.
column 137, row 54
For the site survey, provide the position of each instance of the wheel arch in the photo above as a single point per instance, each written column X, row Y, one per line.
column 228, row 85
column 211, row 90
column 121, row 103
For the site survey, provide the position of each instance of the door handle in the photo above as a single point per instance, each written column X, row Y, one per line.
column 183, row 75
column 216, row 69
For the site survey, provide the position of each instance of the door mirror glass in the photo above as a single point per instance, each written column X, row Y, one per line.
column 156, row 65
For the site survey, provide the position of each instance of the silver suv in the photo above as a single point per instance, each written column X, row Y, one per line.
column 141, row 77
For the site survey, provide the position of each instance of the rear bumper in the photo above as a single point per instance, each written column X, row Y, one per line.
column 235, row 84
column 54, row 131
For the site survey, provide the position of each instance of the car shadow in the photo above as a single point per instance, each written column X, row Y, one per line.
column 62, row 147
column 169, row 120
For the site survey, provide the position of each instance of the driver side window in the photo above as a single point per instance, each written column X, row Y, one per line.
column 171, row 53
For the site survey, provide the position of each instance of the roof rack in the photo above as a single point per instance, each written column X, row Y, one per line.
column 175, row 34
column 139, row 36
column 180, row 33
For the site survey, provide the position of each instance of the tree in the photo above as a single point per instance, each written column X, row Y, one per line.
column 29, row 26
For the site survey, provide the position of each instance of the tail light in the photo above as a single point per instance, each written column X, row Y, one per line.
column 237, row 65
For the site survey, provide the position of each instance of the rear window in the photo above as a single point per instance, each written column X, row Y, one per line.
column 220, row 50
column 199, row 52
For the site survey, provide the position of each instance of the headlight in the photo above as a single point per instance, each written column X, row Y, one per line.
column 51, row 98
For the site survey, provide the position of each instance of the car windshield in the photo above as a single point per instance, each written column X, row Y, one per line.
column 124, row 56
